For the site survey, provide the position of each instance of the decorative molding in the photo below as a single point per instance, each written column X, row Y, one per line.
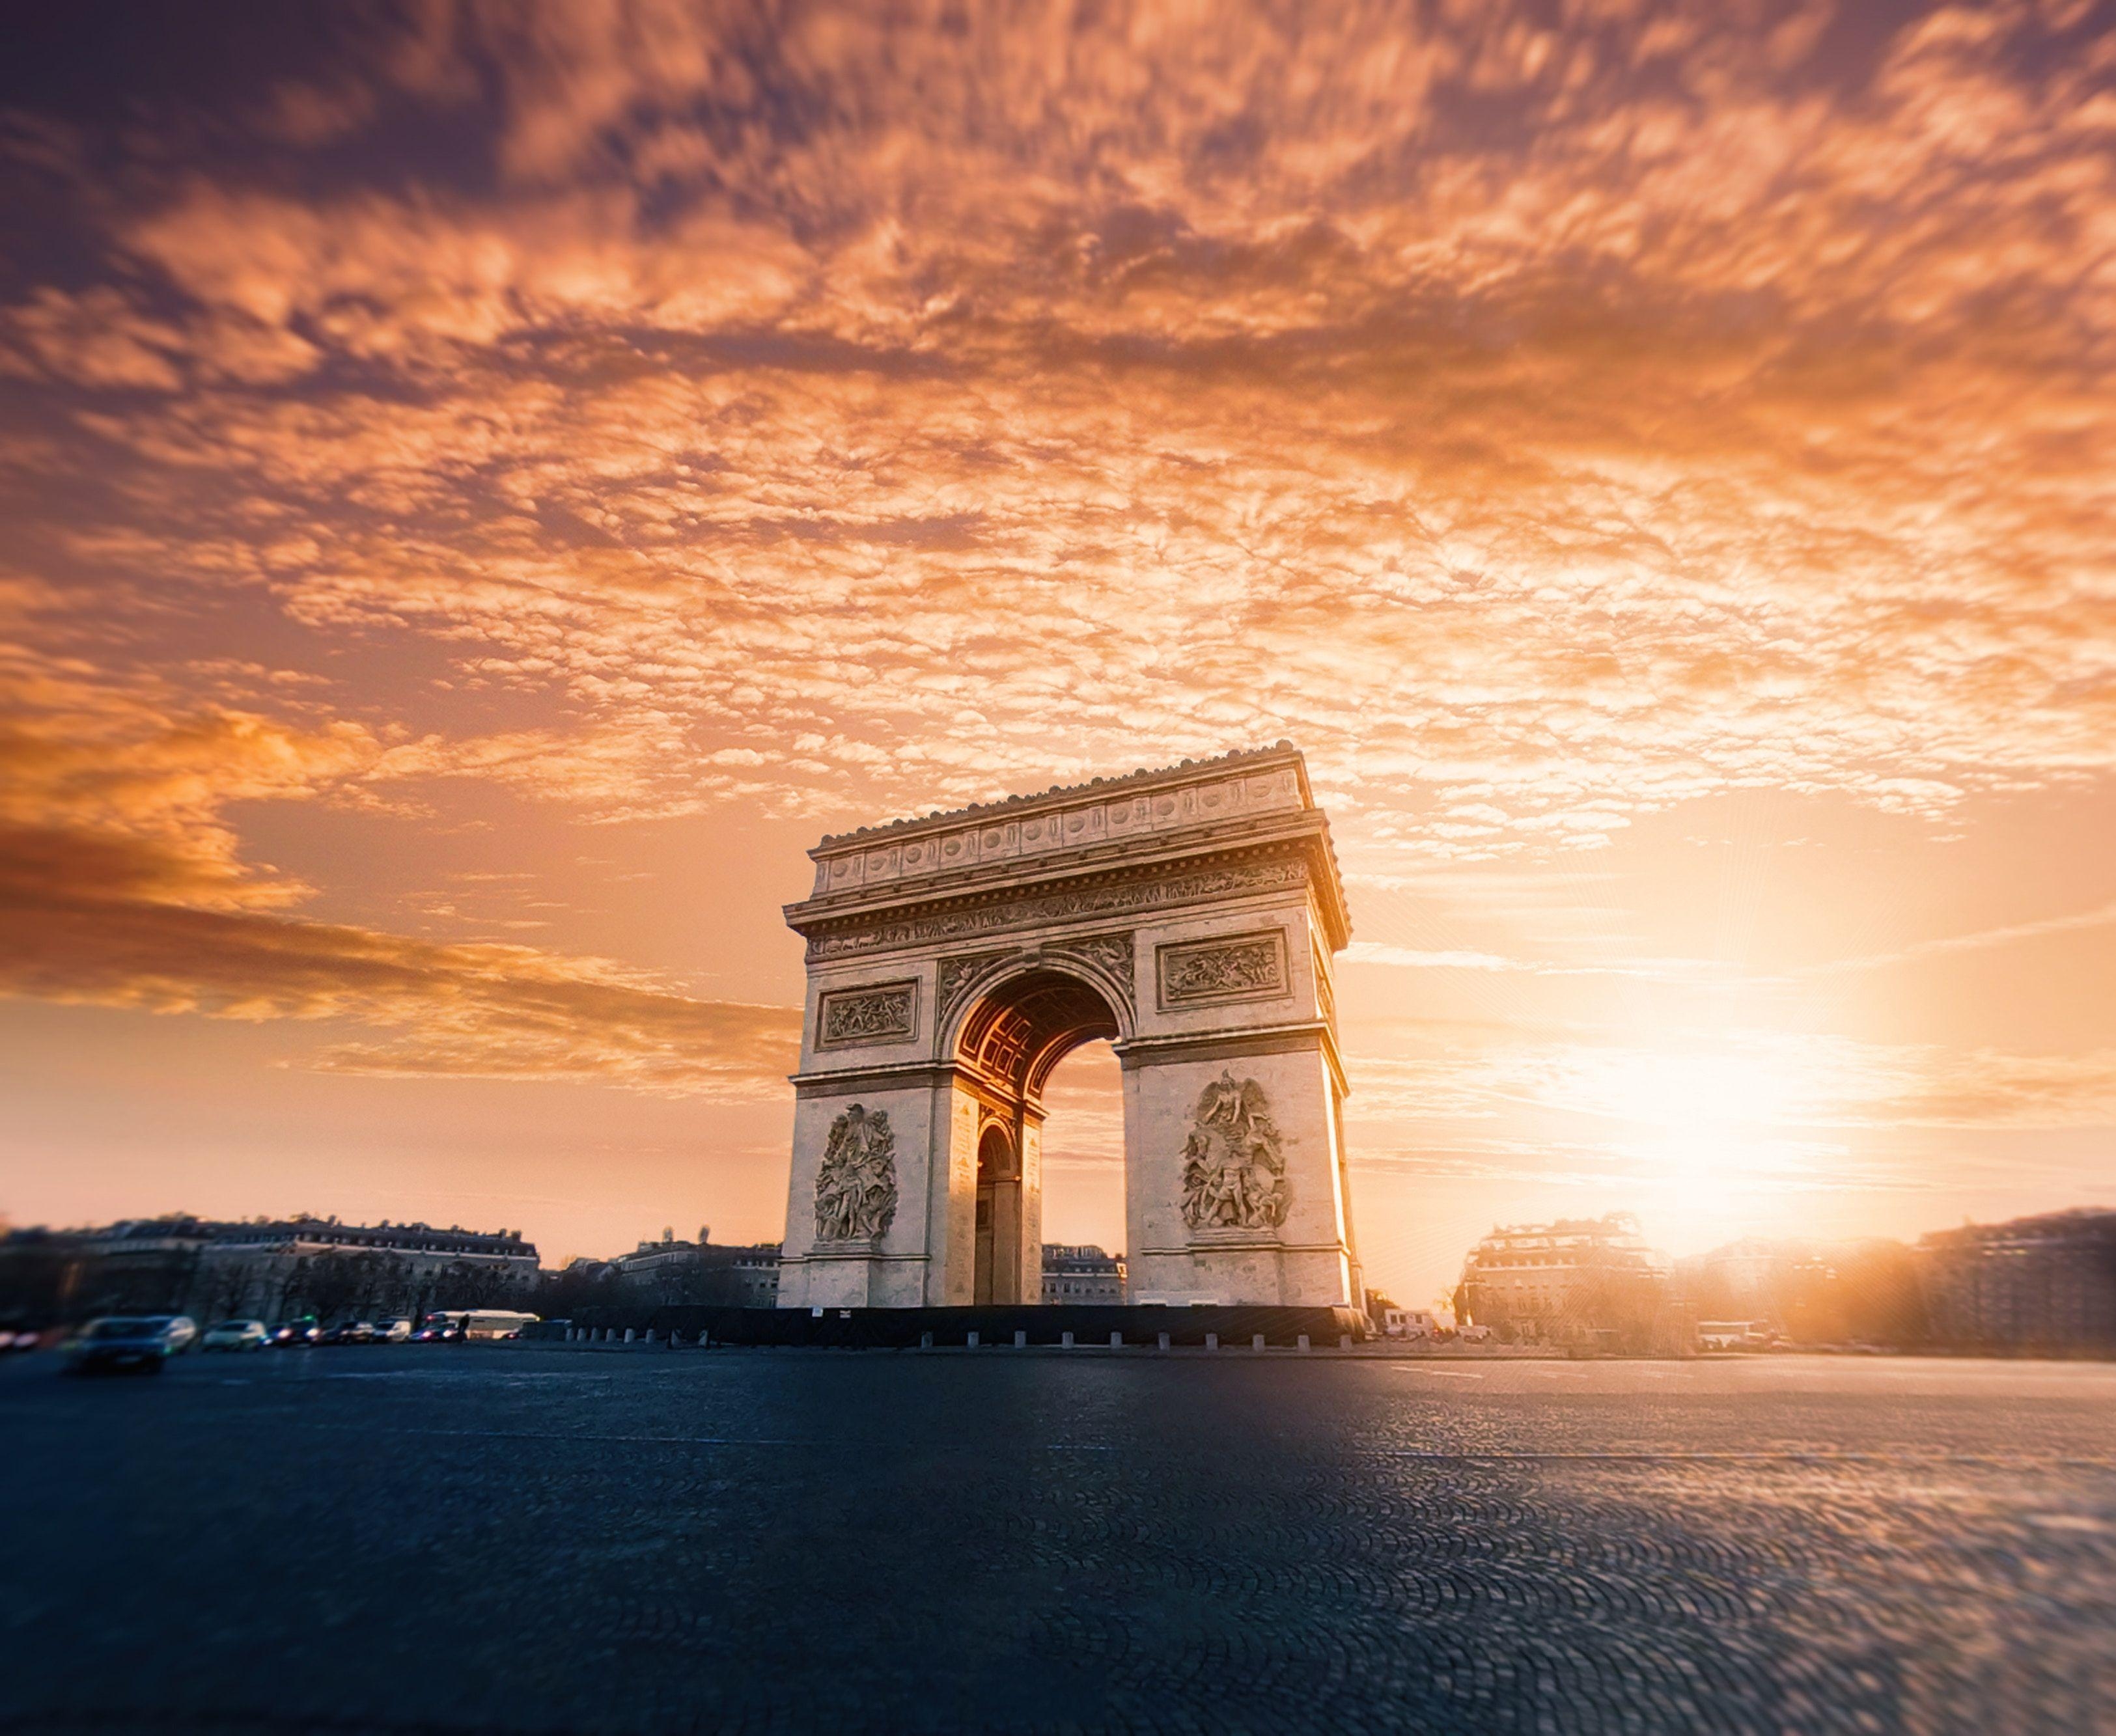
column 853, row 1251
column 856, row 1184
column 1326, row 994
column 1271, row 781
column 1233, row 1173
column 883, row 1012
column 1311, row 1036
column 1222, row 968
column 884, row 1076
column 1237, row 880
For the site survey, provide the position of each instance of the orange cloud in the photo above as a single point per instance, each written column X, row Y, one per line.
column 121, row 885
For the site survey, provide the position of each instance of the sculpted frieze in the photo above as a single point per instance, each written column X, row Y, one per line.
column 1125, row 897
column 887, row 1013
column 1236, row 967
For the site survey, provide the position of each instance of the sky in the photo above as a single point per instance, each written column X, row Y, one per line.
column 486, row 487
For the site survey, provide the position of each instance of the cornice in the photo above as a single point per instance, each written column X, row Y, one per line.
column 1017, row 876
column 1096, row 788
column 826, row 929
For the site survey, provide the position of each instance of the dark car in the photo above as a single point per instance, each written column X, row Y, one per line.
column 142, row 1342
column 296, row 1334
column 356, row 1332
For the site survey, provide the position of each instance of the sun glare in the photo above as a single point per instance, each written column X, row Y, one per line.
column 1705, row 1130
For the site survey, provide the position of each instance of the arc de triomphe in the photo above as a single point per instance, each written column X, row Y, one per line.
column 1189, row 916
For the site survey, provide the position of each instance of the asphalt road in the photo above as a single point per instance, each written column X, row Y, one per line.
column 526, row 1539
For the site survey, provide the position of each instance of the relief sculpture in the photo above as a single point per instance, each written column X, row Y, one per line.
column 856, row 1186
column 955, row 974
column 870, row 1016
column 1233, row 1174
column 1056, row 907
column 1111, row 952
column 1247, row 967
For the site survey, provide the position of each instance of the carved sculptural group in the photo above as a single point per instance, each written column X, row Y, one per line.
column 856, row 1185
column 1234, row 1175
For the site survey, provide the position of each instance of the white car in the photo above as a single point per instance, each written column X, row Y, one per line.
column 236, row 1335
column 392, row 1332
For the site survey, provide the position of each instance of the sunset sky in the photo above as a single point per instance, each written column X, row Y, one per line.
column 486, row 487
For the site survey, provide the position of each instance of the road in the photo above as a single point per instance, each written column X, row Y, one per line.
column 522, row 1538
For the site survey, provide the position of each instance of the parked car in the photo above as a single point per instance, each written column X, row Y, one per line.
column 296, row 1334
column 396, row 1331
column 138, row 1341
column 235, row 1335
column 354, row 1332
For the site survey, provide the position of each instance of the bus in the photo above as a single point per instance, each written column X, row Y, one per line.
column 464, row 1324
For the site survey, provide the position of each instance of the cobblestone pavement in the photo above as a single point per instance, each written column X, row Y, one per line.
column 523, row 1538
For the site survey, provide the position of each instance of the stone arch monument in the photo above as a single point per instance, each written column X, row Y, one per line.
column 1189, row 915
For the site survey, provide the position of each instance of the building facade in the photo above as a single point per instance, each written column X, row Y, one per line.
column 1081, row 1273
column 273, row 1271
column 1577, row 1280
column 672, row 1270
column 2045, row 1283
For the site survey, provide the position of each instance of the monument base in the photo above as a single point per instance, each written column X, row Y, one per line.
column 1232, row 1327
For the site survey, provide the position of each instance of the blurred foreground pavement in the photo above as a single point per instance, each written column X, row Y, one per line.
column 519, row 1538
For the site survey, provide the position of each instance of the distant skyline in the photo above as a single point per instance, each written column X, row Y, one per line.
column 485, row 488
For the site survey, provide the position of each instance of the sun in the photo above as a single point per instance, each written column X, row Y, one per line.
column 1703, row 1129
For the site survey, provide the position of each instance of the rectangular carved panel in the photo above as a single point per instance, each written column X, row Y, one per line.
column 885, row 1012
column 1224, row 968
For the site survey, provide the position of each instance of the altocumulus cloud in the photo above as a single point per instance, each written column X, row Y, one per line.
column 1548, row 417
column 1235, row 361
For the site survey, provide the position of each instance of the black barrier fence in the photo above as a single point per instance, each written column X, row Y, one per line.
column 905, row 1329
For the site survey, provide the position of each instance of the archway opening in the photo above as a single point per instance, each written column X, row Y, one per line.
column 1084, row 1179
column 998, row 1218
column 1017, row 1034
column 1011, row 1045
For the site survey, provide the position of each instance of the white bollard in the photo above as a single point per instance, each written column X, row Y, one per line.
column 1020, row 1340
column 1164, row 1341
column 1344, row 1341
column 1211, row 1341
column 632, row 1337
column 1256, row 1342
column 1116, row 1341
column 973, row 1341
column 1066, row 1339
column 1303, row 1341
